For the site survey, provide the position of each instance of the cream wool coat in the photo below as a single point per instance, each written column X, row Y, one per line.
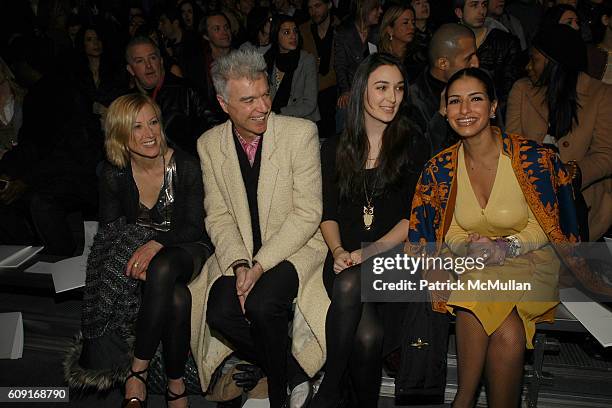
column 290, row 209
column 589, row 143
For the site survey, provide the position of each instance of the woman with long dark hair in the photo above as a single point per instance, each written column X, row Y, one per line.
column 294, row 81
column 259, row 22
column 368, row 181
column 191, row 14
column 95, row 70
column 506, row 203
column 561, row 106
column 568, row 15
column 560, row 14
column 351, row 44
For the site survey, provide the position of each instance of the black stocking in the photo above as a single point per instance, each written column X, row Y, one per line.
column 350, row 322
column 165, row 310
column 366, row 358
column 175, row 344
column 343, row 317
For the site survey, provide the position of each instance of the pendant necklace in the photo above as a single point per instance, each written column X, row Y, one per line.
column 368, row 208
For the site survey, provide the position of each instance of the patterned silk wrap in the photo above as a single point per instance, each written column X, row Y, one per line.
column 546, row 186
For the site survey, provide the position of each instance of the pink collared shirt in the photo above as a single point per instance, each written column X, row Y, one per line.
column 250, row 148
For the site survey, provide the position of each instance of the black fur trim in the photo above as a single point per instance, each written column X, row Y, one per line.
column 82, row 380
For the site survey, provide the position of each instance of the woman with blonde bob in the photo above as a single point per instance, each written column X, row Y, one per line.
column 397, row 30
column 159, row 189
column 398, row 36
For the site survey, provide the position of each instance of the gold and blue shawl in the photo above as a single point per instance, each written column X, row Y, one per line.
column 546, row 186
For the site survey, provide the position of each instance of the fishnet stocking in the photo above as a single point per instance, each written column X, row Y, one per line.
column 472, row 342
column 499, row 355
column 504, row 366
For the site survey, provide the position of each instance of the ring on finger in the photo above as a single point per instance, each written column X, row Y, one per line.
column 485, row 254
column 136, row 264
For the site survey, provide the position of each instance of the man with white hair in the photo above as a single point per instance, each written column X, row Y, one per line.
column 262, row 182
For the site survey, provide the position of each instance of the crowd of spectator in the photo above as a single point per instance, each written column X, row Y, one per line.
column 400, row 81
column 64, row 62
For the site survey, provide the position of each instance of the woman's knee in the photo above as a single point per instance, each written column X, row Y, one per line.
column 509, row 338
column 347, row 286
column 168, row 264
column 369, row 342
column 370, row 333
column 181, row 304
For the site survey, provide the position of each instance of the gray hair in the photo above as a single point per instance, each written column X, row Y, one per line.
column 139, row 40
column 237, row 64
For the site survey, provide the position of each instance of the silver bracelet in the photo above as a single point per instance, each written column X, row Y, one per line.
column 514, row 246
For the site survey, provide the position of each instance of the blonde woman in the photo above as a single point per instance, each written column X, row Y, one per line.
column 159, row 188
column 397, row 30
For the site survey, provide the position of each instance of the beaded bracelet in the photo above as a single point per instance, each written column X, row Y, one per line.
column 511, row 245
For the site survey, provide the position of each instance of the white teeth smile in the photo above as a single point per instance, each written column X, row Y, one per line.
column 466, row 121
column 390, row 110
column 150, row 143
column 259, row 118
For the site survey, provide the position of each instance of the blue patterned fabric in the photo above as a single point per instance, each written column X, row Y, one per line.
column 546, row 186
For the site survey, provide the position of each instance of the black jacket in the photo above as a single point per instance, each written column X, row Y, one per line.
column 349, row 51
column 500, row 54
column 417, row 54
column 112, row 81
column 424, row 102
column 119, row 198
column 189, row 54
column 183, row 113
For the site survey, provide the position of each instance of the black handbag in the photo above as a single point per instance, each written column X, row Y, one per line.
column 421, row 378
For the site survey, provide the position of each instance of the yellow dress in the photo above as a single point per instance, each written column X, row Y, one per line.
column 506, row 213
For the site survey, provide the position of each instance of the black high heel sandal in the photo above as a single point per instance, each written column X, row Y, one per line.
column 171, row 396
column 135, row 402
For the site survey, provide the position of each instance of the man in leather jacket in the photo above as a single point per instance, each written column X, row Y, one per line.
column 452, row 48
column 499, row 52
column 183, row 113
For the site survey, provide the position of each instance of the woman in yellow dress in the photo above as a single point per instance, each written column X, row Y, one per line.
column 493, row 326
column 492, row 196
